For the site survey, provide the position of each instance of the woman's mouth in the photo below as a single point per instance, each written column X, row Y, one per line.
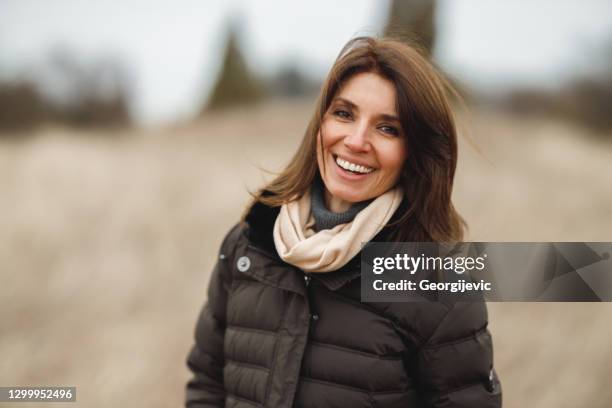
column 352, row 168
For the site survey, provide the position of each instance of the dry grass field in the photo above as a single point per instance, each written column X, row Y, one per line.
column 107, row 244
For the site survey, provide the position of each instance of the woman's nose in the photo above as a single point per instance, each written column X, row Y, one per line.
column 357, row 139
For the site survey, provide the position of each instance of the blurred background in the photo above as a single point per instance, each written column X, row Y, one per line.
column 131, row 132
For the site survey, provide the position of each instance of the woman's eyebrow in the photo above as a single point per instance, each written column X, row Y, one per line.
column 346, row 102
column 390, row 118
column 384, row 116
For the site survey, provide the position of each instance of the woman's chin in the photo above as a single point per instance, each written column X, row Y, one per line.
column 346, row 195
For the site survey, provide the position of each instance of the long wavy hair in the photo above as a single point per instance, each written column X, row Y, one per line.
column 431, row 139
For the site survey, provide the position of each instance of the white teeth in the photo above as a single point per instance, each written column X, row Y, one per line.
column 353, row 167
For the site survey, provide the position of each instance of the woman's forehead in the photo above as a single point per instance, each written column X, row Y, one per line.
column 369, row 91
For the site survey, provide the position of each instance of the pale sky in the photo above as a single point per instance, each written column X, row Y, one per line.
column 173, row 48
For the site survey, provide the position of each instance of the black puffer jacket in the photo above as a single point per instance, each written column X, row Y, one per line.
column 271, row 336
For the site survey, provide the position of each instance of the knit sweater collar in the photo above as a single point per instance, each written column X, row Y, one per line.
column 326, row 219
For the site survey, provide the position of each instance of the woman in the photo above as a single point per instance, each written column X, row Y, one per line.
column 284, row 325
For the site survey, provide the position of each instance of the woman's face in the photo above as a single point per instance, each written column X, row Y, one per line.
column 363, row 148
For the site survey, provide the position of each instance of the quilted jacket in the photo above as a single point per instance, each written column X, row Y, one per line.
column 272, row 336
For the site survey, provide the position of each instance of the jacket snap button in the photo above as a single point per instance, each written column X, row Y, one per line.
column 307, row 279
column 315, row 317
column 243, row 264
column 491, row 385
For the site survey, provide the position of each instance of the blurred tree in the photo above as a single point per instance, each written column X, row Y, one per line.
column 69, row 92
column 236, row 84
column 415, row 19
column 21, row 106
column 290, row 81
column 586, row 99
column 89, row 95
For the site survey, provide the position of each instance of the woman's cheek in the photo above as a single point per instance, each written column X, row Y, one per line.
column 333, row 131
column 392, row 158
column 325, row 139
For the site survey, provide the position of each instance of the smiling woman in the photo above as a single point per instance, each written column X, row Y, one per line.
column 284, row 324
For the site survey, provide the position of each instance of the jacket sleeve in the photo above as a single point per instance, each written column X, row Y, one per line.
column 205, row 360
column 454, row 368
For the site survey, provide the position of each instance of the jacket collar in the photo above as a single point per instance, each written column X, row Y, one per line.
column 260, row 221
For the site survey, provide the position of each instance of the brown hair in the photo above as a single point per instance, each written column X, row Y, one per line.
column 431, row 139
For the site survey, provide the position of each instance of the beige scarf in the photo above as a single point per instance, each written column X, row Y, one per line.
column 328, row 250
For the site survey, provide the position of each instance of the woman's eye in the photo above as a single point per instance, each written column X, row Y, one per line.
column 390, row 130
column 342, row 113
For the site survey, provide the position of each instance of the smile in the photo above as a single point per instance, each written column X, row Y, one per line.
column 352, row 167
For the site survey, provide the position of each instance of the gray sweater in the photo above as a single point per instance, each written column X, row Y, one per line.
column 326, row 219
